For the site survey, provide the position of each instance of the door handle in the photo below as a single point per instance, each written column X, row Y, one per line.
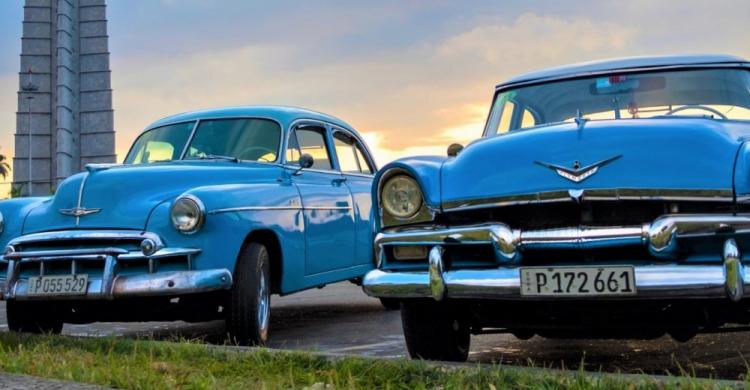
column 339, row 181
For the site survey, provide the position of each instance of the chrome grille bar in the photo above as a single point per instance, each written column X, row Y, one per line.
column 662, row 236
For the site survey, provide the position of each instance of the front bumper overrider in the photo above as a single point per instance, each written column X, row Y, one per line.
column 665, row 278
column 109, row 283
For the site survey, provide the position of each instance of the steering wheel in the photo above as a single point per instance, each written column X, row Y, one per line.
column 697, row 107
column 252, row 153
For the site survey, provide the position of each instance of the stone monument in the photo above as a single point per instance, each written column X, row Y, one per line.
column 65, row 118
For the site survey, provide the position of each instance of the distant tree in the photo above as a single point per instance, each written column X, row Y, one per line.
column 16, row 191
column 4, row 167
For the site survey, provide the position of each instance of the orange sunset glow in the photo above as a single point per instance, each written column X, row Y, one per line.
column 411, row 77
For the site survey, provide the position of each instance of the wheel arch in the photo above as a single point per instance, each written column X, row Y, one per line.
column 271, row 241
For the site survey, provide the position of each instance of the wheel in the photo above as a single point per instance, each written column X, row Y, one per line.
column 250, row 297
column 435, row 331
column 33, row 317
column 390, row 303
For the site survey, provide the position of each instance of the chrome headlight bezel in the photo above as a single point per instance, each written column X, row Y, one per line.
column 187, row 214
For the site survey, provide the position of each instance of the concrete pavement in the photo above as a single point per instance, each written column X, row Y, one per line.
column 341, row 319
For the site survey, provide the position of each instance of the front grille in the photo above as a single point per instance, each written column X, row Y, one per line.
column 587, row 213
column 134, row 263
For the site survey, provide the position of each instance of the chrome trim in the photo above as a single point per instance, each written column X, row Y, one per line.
column 662, row 236
column 614, row 194
column 277, row 208
column 171, row 283
column 89, row 253
column 80, row 196
column 111, row 285
column 578, row 173
column 161, row 253
column 145, row 285
column 97, row 254
column 253, row 208
column 78, row 212
column 665, row 231
column 733, row 270
column 437, row 284
column 651, row 282
column 71, row 235
column 201, row 213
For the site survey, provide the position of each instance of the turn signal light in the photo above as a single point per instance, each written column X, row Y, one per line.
column 410, row 252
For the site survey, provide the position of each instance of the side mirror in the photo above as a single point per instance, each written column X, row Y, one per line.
column 305, row 161
column 454, row 150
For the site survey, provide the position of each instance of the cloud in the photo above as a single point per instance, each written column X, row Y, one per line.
column 412, row 77
column 426, row 94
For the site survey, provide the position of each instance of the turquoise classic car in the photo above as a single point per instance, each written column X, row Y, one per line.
column 211, row 213
column 608, row 199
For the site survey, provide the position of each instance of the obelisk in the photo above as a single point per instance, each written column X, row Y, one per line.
column 65, row 116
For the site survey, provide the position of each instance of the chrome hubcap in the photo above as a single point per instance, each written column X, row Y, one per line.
column 263, row 304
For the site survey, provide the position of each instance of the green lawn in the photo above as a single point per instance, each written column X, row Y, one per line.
column 139, row 364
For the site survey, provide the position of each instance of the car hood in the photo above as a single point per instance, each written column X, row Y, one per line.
column 125, row 195
column 690, row 155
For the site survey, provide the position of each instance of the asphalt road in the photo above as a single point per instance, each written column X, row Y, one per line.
column 341, row 319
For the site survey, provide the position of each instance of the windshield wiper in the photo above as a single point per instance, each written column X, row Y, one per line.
column 217, row 157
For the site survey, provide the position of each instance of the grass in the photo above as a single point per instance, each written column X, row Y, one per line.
column 144, row 364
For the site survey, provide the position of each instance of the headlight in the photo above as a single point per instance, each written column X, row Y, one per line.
column 188, row 214
column 401, row 196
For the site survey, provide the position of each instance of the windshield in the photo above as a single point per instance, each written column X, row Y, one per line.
column 710, row 93
column 235, row 139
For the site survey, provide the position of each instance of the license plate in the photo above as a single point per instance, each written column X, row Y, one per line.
column 58, row 285
column 577, row 281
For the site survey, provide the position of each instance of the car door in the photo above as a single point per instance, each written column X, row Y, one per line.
column 326, row 202
column 358, row 168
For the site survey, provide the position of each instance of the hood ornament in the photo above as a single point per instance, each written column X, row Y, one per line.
column 580, row 120
column 78, row 211
column 578, row 173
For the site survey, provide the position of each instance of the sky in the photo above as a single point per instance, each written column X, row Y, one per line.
column 411, row 76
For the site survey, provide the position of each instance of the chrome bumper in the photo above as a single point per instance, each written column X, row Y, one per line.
column 663, row 238
column 730, row 280
column 110, row 285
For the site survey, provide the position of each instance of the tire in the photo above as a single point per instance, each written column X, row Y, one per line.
column 390, row 303
column 249, row 313
column 435, row 331
column 33, row 317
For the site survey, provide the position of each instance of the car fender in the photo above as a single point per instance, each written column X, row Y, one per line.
column 233, row 212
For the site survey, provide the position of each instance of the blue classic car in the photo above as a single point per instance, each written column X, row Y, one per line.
column 211, row 212
column 606, row 199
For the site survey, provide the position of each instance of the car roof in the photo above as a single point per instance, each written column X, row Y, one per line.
column 285, row 115
column 629, row 63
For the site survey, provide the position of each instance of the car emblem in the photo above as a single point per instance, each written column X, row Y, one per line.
column 578, row 173
column 78, row 211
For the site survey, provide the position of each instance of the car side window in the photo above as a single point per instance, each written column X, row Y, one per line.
column 364, row 163
column 350, row 154
column 345, row 153
column 310, row 140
